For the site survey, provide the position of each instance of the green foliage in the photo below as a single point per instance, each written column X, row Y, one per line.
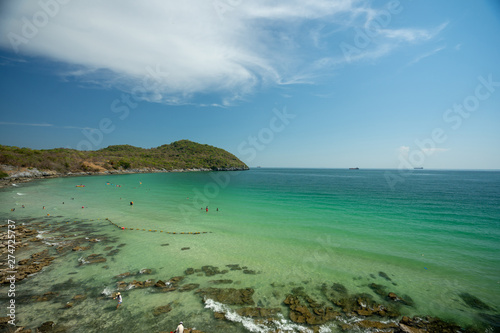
column 3, row 174
column 183, row 154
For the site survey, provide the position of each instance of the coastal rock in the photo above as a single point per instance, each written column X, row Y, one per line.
column 146, row 271
column 210, row 270
column 27, row 267
column 92, row 259
column 189, row 287
column 189, row 271
column 81, row 248
column 376, row 325
column 48, row 296
column 364, row 305
column 160, row 284
column 228, row 296
column 219, row 315
column 428, row 324
column 301, row 314
column 5, row 326
column 406, row 300
column 46, row 327
column 122, row 275
column 164, row 287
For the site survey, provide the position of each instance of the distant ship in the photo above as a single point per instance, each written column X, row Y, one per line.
column 353, row 168
column 418, row 168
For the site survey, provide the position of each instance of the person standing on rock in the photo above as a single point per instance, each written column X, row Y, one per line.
column 180, row 328
column 119, row 297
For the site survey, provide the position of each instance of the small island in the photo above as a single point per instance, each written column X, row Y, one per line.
column 18, row 164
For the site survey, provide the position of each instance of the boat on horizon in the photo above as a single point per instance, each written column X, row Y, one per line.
column 353, row 168
column 418, row 168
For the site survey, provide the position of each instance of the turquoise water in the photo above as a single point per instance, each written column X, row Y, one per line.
column 435, row 235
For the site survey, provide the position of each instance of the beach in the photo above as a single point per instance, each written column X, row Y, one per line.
column 267, row 250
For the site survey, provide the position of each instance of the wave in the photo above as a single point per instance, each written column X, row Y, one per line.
column 280, row 325
column 20, row 193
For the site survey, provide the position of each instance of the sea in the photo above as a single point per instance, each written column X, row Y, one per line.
column 432, row 238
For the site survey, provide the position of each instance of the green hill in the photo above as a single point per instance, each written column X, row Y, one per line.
column 178, row 155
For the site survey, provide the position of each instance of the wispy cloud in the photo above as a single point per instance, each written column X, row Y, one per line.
column 171, row 52
column 25, row 124
column 44, row 125
column 9, row 61
column 426, row 55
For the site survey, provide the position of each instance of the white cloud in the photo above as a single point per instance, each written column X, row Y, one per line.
column 171, row 51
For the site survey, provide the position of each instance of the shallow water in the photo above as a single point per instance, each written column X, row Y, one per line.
column 433, row 237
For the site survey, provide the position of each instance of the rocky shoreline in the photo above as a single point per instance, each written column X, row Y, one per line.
column 333, row 305
column 24, row 175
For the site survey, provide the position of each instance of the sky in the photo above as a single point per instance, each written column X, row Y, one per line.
column 316, row 84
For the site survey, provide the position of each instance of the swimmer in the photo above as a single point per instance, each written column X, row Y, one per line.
column 131, row 203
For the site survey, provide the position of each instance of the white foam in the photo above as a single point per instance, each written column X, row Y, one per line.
column 20, row 193
column 82, row 261
column 107, row 291
column 282, row 324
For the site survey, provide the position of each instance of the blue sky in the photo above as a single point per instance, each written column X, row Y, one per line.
column 333, row 84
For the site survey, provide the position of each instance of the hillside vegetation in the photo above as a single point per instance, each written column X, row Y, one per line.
column 182, row 154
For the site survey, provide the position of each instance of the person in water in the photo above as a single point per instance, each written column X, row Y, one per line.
column 180, row 328
column 131, row 203
column 119, row 297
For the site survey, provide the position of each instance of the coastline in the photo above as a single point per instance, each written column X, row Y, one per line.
column 25, row 175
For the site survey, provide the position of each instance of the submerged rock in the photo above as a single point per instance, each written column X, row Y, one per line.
column 221, row 281
column 234, row 267
column 162, row 309
column 378, row 289
column 384, row 275
column 474, row 302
